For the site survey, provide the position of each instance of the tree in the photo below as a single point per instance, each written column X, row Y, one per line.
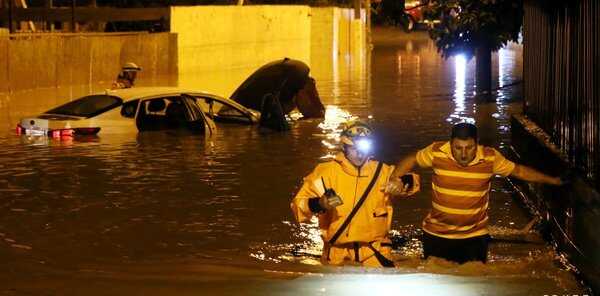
column 475, row 27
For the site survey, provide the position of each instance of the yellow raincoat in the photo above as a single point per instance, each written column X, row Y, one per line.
column 370, row 226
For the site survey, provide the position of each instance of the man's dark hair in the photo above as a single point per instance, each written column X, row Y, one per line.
column 464, row 131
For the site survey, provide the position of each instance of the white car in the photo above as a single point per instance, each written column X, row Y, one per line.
column 139, row 108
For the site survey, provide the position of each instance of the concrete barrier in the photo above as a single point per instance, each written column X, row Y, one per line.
column 59, row 60
column 336, row 38
column 3, row 61
column 213, row 48
column 219, row 46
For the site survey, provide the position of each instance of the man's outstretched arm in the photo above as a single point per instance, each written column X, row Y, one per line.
column 404, row 166
column 526, row 173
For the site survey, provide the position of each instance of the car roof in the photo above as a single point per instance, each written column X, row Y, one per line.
column 128, row 94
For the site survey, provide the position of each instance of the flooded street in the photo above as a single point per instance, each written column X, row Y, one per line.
column 163, row 213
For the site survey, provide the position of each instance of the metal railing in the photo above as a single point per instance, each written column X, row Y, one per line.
column 562, row 78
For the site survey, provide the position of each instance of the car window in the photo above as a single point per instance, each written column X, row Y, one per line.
column 220, row 111
column 129, row 109
column 88, row 106
column 153, row 113
column 167, row 113
column 156, row 106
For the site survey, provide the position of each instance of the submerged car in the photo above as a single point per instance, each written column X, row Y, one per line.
column 277, row 89
column 266, row 98
column 141, row 109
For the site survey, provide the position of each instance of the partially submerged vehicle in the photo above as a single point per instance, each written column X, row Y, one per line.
column 265, row 98
column 277, row 88
column 141, row 109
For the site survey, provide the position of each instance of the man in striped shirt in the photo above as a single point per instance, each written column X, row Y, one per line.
column 456, row 227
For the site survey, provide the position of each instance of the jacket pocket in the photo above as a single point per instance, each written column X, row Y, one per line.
column 382, row 219
column 380, row 212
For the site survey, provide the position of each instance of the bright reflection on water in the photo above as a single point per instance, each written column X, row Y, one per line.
column 331, row 128
column 460, row 65
column 157, row 201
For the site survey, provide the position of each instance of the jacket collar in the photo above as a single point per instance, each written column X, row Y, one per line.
column 365, row 170
column 479, row 156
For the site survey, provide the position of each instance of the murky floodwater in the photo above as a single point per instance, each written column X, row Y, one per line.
column 159, row 212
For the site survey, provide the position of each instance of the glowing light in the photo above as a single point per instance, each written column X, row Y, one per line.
column 501, row 64
column 332, row 125
column 399, row 64
column 328, row 144
column 334, row 117
column 294, row 115
column 364, row 145
column 373, row 284
column 460, row 64
column 460, row 67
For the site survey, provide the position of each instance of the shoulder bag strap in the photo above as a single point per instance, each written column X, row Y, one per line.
column 357, row 206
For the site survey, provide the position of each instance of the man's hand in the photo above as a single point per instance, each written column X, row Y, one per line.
column 395, row 187
column 324, row 202
column 555, row 181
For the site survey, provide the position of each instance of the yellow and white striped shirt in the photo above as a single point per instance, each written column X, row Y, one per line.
column 460, row 194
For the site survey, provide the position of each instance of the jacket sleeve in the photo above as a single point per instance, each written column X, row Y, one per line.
column 309, row 190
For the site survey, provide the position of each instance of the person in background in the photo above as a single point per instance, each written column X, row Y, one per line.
column 126, row 79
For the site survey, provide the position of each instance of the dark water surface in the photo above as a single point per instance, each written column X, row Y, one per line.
column 170, row 213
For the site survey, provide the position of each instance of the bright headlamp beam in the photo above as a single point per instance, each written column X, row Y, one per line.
column 364, row 145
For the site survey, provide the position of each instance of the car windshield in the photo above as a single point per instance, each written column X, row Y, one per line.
column 88, row 106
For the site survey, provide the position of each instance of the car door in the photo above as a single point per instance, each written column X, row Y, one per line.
column 196, row 116
column 220, row 110
column 170, row 112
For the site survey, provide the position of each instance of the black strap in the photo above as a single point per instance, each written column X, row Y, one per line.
column 357, row 206
column 385, row 262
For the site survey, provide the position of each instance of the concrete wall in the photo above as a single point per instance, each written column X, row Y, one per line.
column 338, row 47
column 213, row 48
column 219, row 46
column 83, row 59
column 3, row 62
column 335, row 37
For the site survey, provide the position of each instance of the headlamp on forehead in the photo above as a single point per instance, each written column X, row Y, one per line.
column 358, row 135
column 364, row 145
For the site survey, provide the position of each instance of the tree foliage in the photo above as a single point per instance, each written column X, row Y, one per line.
column 466, row 25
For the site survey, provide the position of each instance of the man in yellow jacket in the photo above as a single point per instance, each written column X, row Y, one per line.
column 127, row 76
column 456, row 227
column 346, row 194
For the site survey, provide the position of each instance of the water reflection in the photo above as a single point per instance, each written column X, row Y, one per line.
column 331, row 127
column 460, row 65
